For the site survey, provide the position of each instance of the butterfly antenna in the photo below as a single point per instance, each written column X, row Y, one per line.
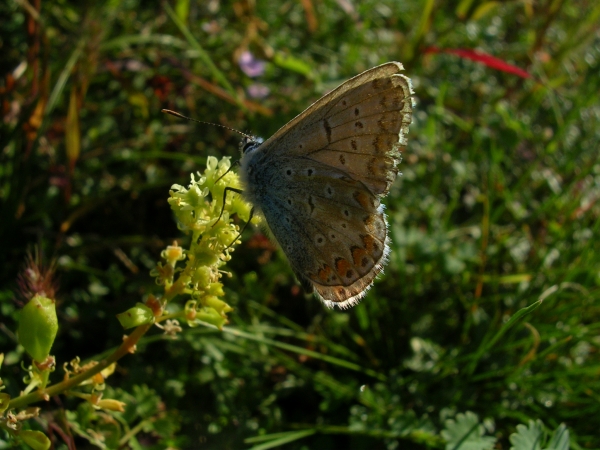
column 181, row 116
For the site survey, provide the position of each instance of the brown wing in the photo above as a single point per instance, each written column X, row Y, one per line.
column 321, row 178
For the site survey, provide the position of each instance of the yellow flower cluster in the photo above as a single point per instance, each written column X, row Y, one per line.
column 203, row 211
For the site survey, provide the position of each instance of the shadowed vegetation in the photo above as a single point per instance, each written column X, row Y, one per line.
column 489, row 305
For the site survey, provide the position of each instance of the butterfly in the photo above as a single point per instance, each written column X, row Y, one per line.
column 318, row 182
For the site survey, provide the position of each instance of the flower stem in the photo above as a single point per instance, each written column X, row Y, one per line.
column 126, row 347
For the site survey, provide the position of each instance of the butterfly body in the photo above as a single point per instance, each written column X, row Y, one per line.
column 319, row 181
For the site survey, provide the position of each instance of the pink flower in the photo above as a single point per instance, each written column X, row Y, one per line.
column 257, row 90
column 250, row 65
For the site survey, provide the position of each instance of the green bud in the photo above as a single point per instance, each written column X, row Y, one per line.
column 205, row 257
column 140, row 314
column 38, row 326
column 35, row 439
column 201, row 276
column 209, row 315
column 216, row 289
column 218, row 305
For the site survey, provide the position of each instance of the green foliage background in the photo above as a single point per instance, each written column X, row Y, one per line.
column 497, row 208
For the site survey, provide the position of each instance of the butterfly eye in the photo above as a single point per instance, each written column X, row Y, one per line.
column 249, row 143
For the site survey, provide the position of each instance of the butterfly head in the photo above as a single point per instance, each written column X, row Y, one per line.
column 249, row 143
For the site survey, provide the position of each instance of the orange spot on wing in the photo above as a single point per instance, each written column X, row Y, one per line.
column 362, row 199
column 342, row 266
column 368, row 241
column 324, row 273
column 369, row 222
column 357, row 255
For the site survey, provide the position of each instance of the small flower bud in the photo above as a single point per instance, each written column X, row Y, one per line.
column 218, row 305
column 190, row 309
column 201, row 276
column 38, row 326
column 216, row 289
column 111, row 405
column 209, row 315
column 140, row 314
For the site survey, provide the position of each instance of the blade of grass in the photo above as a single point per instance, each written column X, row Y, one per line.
column 303, row 351
column 204, row 56
column 277, row 439
column 63, row 77
column 515, row 319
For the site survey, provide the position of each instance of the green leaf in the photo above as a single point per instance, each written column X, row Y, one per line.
column 528, row 437
column 532, row 437
column 465, row 433
column 4, row 401
column 35, row 439
column 560, row 438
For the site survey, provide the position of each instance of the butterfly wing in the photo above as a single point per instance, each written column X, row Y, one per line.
column 319, row 180
column 332, row 230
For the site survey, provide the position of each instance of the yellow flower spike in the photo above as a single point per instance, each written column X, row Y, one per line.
column 200, row 212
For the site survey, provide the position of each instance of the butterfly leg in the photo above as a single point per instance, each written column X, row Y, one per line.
column 235, row 163
column 243, row 229
column 227, row 189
